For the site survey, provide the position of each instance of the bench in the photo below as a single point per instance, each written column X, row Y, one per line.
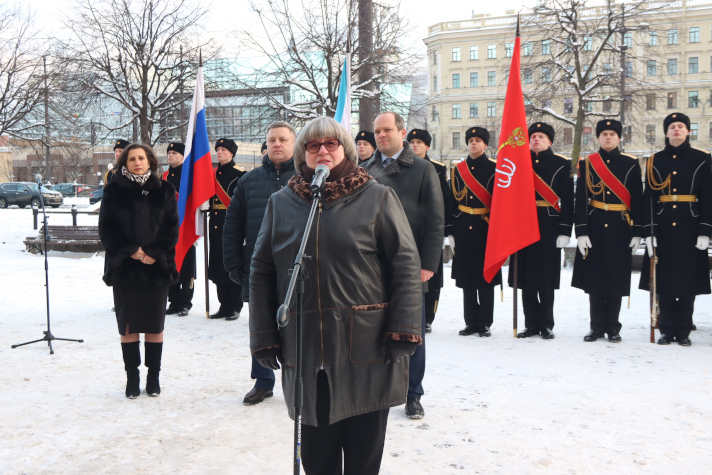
column 66, row 239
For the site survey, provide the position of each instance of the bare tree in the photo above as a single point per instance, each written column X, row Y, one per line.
column 129, row 51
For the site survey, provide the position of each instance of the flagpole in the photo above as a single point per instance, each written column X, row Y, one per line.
column 205, row 227
column 515, row 264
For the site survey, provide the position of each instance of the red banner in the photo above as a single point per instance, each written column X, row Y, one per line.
column 513, row 217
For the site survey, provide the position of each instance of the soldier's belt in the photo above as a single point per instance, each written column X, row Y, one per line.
column 608, row 206
column 678, row 198
column 219, row 206
column 543, row 204
column 468, row 210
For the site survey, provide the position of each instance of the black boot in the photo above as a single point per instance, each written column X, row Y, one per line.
column 153, row 363
column 132, row 360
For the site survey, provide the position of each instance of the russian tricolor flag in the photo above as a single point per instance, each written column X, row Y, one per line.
column 343, row 105
column 197, row 183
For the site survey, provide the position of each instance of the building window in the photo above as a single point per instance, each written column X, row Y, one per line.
column 692, row 66
column 652, row 69
column 672, row 100
column 474, row 110
column 491, row 109
column 629, row 69
column 528, row 49
column 491, row 51
column 650, row 102
column 528, row 107
column 545, row 75
column 435, row 113
column 586, row 137
column 693, row 133
column 653, row 38
column 693, row 99
column 672, row 67
column 588, row 106
column 527, row 76
column 456, row 140
column 456, row 111
column 474, row 52
column 491, row 78
column 568, row 136
column 710, row 132
column 508, row 49
column 672, row 36
column 649, row 134
column 546, row 47
column 628, row 40
column 456, row 80
column 456, row 54
column 568, row 105
column 435, row 83
column 588, row 44
column 434, row 143
column 435, row 58
column 695, row 34
column 607, row 68
column 474, row 79
column 546, row 104
column 607, row 105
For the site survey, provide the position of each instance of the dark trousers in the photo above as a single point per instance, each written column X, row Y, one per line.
column 417, row 364
column 604, row 313
column 230, row 297
column 538, row 309
column 359, row 438
column 431, row 304
column 181, row 295
column 676, row 316
column 479, row 307
column 264, row 376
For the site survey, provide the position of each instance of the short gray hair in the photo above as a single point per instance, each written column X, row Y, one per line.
column 400, row 121
column 318, row 129
column 281, row 123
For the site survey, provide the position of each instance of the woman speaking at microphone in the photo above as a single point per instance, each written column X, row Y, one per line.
column 138, row 225
column 362, row 302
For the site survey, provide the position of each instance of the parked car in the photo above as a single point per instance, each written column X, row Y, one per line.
column 72, row 189
column 96, row 196
column 26, row 193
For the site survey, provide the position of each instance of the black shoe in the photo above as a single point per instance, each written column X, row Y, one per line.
column 256, row 396
column 684, row 342
column 694, row 327
column 171, row 311
column 113, row 309
column 232, row 316
column 218, row 314
column 467, row 331
column 664, row 340
column 132, row 360
column 413, row 409
column 527, row 333
column 547, row 334
column 614, row 337
column 593, row 335
column 183, row 312
column 485, row 332
column 428, row 328
column 154, row 351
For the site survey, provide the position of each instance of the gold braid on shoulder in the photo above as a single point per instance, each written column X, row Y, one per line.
column 596, row 189
column 650, row 171
column 459, row 195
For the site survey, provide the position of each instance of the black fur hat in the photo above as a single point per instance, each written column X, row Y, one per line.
column 264, row 147
column 176, row 147
column 544, row 128
column 228, row 144
column 609, row 124
column 480, row 132
column 419, row 134
column 676, row 117
column 122, row 144
column 367, row 136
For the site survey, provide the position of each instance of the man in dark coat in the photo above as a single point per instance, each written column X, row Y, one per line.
column 119, row 147
column 180, row 295
column 470, row 225
column 416, row 183
column 539, row 264
column 226, row 176
column 609, row 196
column 243, row 221
column 678, row 188
column 420, row 141
column 365, row 145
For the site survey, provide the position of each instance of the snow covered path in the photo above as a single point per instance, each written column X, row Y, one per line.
column 493, row 405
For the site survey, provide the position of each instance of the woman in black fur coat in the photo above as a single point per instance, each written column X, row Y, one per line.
column 138, row 225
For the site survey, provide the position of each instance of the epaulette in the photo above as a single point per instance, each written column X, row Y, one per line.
column 700, row 149
column 437, row 163
column 493, row 160
column 629, row 156
column 562, row 156
column 239, row 168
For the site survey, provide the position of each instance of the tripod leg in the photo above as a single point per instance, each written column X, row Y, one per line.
column 68, row 339
column 51, row 350
column 28, row 343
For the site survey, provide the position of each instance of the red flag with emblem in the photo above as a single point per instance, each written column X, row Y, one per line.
column 513, row 221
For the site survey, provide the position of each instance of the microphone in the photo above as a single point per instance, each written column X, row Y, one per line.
column 320, row 176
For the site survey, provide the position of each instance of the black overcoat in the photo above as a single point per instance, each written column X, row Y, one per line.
column 607, row 267
column 437, row 281
column 187, row 270
column 227, row 175
column 682, row 270
column 539, row 264
column 470, row 231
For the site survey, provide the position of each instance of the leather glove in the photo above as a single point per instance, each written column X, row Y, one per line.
column 702, row 243
column 651, row 242
column 396, row 349
column 237, row 275
column 268, row 358
column 205, row 206
column 451, row 238
column 562, row 241
column 634, row 244
column 583, row 243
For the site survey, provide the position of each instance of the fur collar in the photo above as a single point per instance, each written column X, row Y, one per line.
column 332, row 190
column 405, row 159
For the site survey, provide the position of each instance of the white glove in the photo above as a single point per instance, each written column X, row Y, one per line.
column 651, row 242
column 205, row 206
column 451, row 238
column 583, row 243
column 634, row 244
column 702, row 243
column 562, row 241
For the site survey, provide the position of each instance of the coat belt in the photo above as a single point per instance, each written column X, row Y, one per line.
column 483, row 212
column 219, row 206
column 680, row 198
column 608, row 206
column 543, row 204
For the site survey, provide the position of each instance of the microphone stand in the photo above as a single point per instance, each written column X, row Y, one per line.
column 299, row 275
column 48, row 337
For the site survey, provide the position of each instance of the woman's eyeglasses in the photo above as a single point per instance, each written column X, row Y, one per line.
column 330, row 145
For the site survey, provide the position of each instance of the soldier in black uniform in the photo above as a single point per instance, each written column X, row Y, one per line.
column 539, row 264
column 470, row 225
column 119, row 147
column 365, row 145
column 226, row 176
column 180, row 296
column 678, row 191
column 606, row 230
column 420, row 141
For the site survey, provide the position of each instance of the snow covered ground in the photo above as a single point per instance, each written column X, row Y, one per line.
column 493, row 405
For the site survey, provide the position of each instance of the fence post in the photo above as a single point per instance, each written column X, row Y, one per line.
column 74, row 215
column 34, row 217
